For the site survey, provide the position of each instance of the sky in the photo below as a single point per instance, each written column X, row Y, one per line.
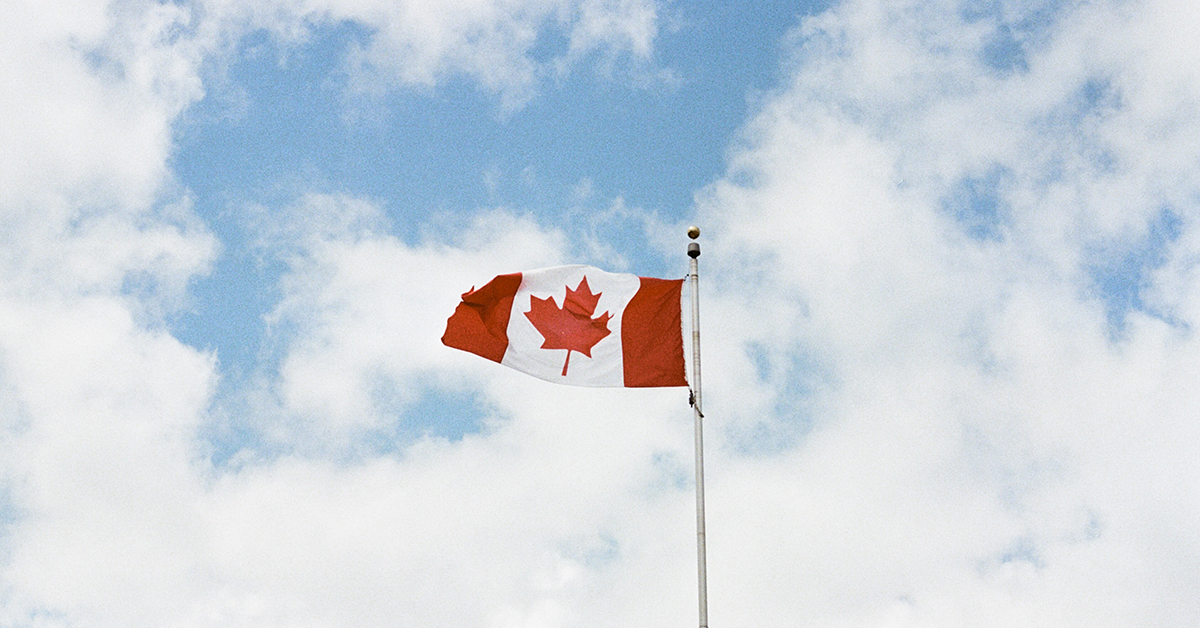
column 950, row 289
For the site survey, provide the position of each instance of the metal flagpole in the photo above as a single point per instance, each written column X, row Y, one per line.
column 698, row 414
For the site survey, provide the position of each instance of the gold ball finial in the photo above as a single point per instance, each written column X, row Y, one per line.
column 693, row 232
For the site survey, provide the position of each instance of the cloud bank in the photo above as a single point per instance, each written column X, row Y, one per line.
column 974, row 231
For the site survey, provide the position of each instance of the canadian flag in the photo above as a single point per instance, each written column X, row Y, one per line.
column 576, row 325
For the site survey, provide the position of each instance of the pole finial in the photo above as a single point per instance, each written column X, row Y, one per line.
column 693, row 232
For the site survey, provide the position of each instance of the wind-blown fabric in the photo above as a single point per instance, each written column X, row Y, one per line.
column 576, row 325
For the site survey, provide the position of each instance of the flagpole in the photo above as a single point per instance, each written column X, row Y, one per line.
column 698, row 415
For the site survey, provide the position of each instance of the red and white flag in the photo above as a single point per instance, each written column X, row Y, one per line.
column 576, row 325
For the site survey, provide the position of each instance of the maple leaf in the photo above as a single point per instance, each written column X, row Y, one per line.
column 570, row 327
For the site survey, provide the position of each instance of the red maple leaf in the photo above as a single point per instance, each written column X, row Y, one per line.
column 570, row 327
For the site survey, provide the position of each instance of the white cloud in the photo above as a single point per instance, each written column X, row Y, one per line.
column 500, row 44
column 100, row 460
column 101, row 404
column 520, row 525
column 84, row 88
column 997, row 439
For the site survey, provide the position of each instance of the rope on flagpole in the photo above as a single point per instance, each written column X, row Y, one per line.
column 698, row 414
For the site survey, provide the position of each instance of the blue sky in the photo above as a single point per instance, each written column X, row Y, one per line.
column 949, row 303
column 648, row 131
